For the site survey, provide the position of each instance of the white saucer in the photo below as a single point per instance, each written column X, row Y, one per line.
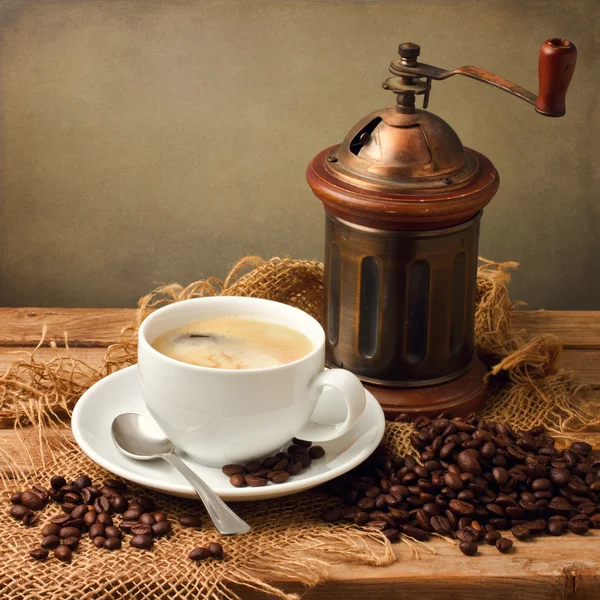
column 119, row 393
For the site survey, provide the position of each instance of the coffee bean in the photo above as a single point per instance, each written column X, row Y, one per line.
column 467, row 461
column 581, row 448
column 50, row 529
column 461, row 508
column 440, row 524
column 60, row 519
column 146, row 503
column 468, row 534
column 79, row 511
column 39, row 553
column 71, row 542
column 70, row 489
column 112, row 531
column 57, row 482
column 488, row 450
column 200, row 554
column 578, row 527
column 233, row 469
column 392, row 535
column 63, row 553
column 256, row 481
column 30, row 519
column 295, row 468
column 148, row 519
column 555, row 527
column 300, row 442
column 316, row 452
column 500, row 475
column 379, row 525
column 119, row 504
column 539, row 485
column 112, row 543
column 521, row 532
column 96, row 530
column 104, row 519
column 32, row 500
column 99, row 541
column 16, row 498
column 141, row 529
column 453, row 481
column 50, row 541
column 160, row 516
column 161, row 528
column 216, row 549
column 280, row 477
column 83, row 482
column 468, row 548
column 190, row 521
column 132, row 514
column 18, row 511
column 142, row 542
column 504, row 545
column 491, row 537
column 73, row 499
column 116, row 484
column 238, row 480
column 102, row 504
column 253, row 466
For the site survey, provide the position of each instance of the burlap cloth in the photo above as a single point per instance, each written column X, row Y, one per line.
column 288, row 541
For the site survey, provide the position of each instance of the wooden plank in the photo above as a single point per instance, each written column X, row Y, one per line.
column 8, row 355
column 576, row 329
column 85, row 327
column 584, row 363
column 89, row 327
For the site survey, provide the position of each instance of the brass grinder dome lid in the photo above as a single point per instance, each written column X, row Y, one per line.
column 403, row 168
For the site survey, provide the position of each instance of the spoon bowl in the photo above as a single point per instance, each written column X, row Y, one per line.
column 140, row 438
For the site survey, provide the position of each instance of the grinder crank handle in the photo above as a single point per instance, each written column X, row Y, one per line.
column 555, row 70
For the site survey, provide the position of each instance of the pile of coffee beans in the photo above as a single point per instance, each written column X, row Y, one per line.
column 473, row 479
column 92, row 509
column 213, row 550
column 276, row 469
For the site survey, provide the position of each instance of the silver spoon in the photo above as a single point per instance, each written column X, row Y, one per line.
column 141, row 438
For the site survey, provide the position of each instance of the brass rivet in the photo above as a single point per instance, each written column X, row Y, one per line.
column 448, row 181
column 332, row 159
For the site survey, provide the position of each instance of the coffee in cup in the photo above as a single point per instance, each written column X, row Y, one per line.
column 234, row 342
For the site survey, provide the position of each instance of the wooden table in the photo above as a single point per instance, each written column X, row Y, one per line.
column 544, row 569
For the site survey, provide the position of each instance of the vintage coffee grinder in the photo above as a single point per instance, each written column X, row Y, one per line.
column 403, row 201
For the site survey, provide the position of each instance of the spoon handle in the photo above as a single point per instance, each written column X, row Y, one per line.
column 225, row 520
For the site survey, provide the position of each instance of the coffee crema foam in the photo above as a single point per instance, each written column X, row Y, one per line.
column 234, row 343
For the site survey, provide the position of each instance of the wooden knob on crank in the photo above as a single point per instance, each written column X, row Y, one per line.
column 555, row 69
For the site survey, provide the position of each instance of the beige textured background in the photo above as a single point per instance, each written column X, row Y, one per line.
column 146, row 141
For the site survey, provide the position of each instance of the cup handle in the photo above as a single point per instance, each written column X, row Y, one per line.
column 351, row 389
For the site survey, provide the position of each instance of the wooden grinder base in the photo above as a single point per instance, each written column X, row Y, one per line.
column 462, row 396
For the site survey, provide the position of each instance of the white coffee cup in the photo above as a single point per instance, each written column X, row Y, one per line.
column 222, row 416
